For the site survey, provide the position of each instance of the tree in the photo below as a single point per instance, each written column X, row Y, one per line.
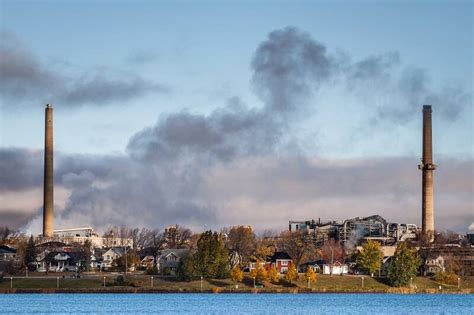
column 126, row 261
column 237, row 275
column 291, row 274
column 274, row 275
column 30, row 254
column 310, row 276
column 259, row 273
column 241, row 240
column 370, row 258
column 332, row 251
column 83, row 254
column 176, row 236
column 185, row 270
column 404, row 265
column 296, row 244
column 4, row 234
column 265, row 245
column 211, row 259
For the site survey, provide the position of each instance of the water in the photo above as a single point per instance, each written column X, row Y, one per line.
column 236, row 303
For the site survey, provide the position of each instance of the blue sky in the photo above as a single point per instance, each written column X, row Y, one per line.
column 160, row 59
column 202, row 52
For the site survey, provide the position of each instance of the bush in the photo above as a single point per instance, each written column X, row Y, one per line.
column 120, row 280
column 166, row 271
column 446, row 278
column 137, row 283
column 152, row 271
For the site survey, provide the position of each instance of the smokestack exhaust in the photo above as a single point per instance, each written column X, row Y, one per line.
column 48, row 188
column 427, row 167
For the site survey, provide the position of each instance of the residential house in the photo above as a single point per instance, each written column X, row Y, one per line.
column 96, row 258
column 168, row 259
column 110, row 255
column 60, row 261
column 7, row 254
column 337, row 268
column 254, row 263
column 147, row 261
column 281, row 260
column 434, row 263
column 315, row 265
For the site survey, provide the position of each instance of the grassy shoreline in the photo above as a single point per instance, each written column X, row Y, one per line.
column 140, row 283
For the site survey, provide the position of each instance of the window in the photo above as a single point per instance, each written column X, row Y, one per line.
column 284, row 262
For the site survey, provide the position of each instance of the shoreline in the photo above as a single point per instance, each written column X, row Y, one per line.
column 214, row 291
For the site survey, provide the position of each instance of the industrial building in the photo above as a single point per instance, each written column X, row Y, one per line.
column 356, row 230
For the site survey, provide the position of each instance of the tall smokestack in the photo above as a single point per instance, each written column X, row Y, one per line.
column 48, row 188
column 427, row 167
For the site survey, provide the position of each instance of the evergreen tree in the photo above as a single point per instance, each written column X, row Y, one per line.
column 185, row 270
column 404, row 265
column 370, row 258
column 211, row 258
column 30, row 254
column 291, row 274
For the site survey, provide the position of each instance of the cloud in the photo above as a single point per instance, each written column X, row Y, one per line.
column 23, row 77
column 234, row 165
column 265, row 191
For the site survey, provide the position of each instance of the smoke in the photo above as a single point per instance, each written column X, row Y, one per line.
column 396, row 93
column 20, row 169
column 234, row 165
column 287, row 67
column 24, row 78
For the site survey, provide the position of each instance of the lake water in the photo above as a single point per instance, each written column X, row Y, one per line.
column 236, row 303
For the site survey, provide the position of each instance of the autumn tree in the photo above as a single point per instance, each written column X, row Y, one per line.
column 370, row 258
column 296, row 244
column 126, row 261
column 273, row 275
column 310, row 276
column 241, row 240
column 259, row 273
column 291, row 274
column 265, row 245
column 237, row 275
column 332, row 251
column 404, row 265
column 176, row 236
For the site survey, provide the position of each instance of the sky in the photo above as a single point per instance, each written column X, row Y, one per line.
column 215, row 113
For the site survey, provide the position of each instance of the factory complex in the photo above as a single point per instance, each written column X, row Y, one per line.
column 353, row 230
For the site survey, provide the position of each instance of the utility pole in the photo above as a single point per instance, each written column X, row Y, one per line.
column 332, row 258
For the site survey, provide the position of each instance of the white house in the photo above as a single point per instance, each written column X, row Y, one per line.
column 338, row 268
column 111, row 254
